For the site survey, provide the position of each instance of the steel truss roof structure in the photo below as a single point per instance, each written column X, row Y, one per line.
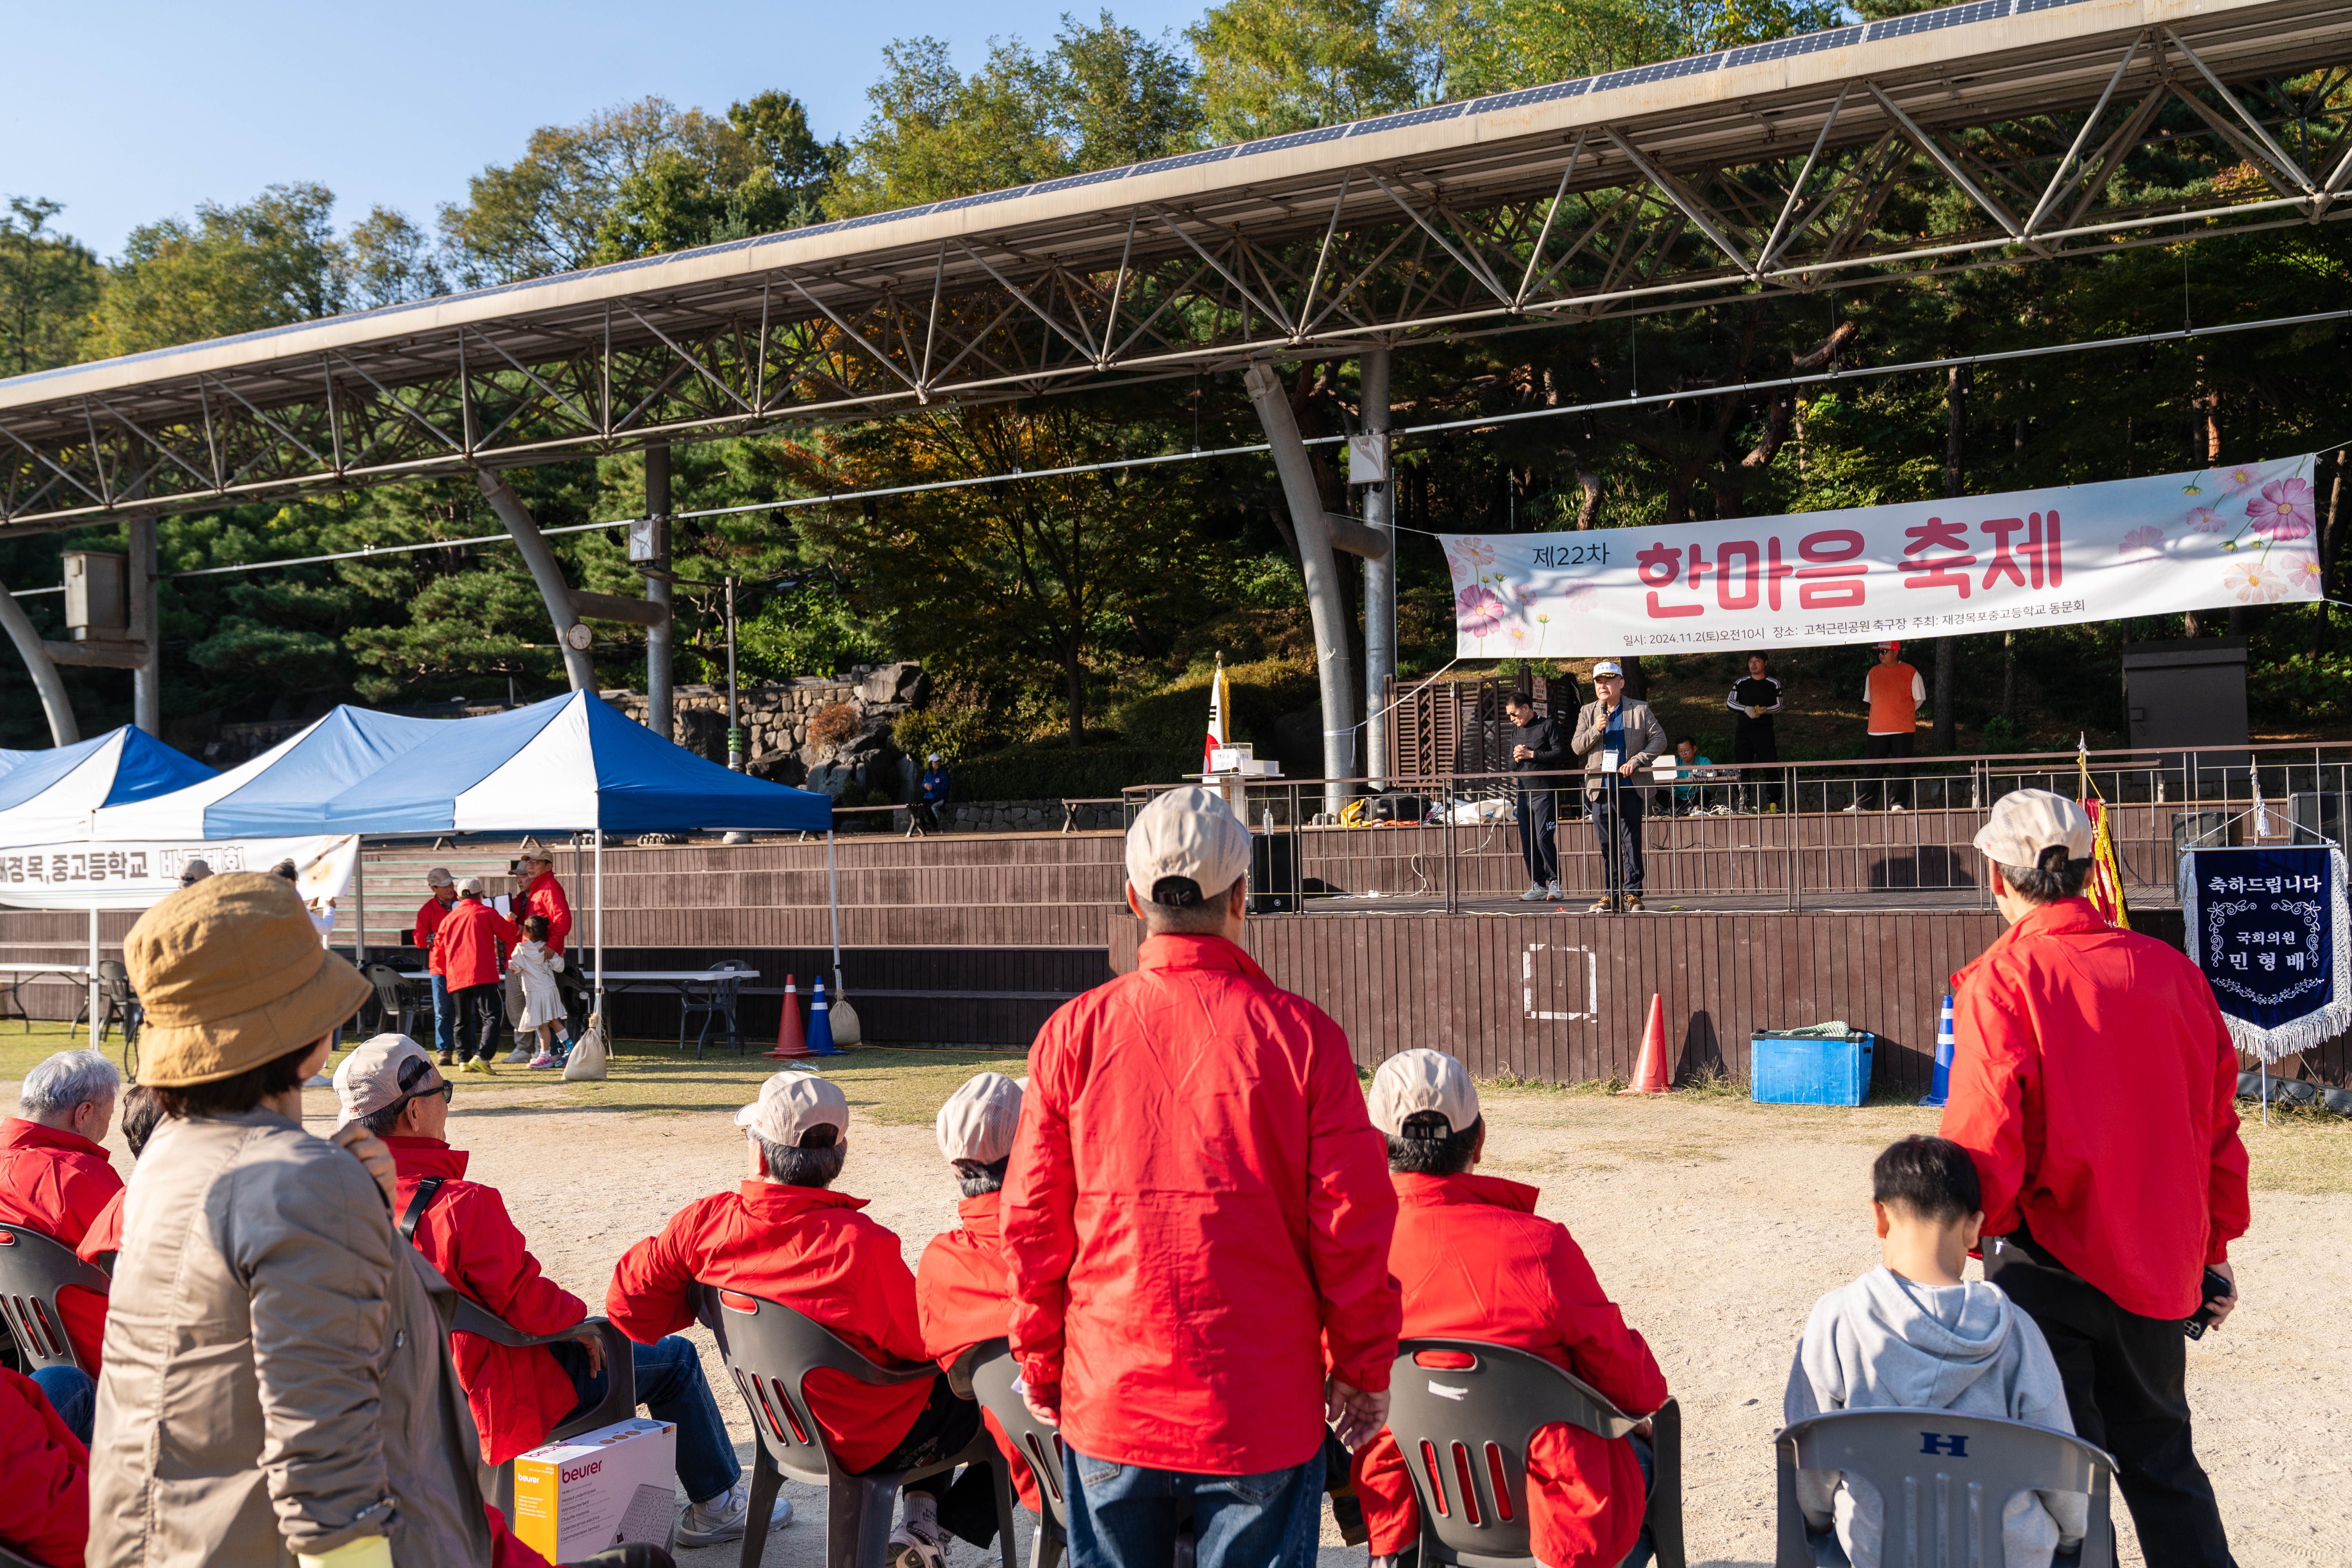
column 1981, row 134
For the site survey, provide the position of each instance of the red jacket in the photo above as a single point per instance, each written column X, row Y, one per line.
column 45, row 1501
column 58, row 1182
column 2093, row 1080
column 545, row 897
column 808, row 1249
column 963, row 1298
column 1197, row 1218
column 104, row 1235
column 1476, row 1263
column 429, row 921
column 518, row 1394
column 467, row 942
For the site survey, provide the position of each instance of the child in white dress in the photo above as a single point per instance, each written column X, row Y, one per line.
column 543, row 1004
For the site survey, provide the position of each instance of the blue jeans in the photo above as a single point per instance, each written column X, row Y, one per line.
column 444, row 1017
column 72, row 1395
column 670, row 1385
column 1122, row 1516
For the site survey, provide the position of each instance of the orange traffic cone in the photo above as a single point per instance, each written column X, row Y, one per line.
column 789, row 1043
column 1650, row 1072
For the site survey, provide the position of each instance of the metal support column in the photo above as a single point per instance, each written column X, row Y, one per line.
column 147, row 676
column 55, row 703
column 1380, row 571
column 1325, row 606
column 544, row 570
column 660, row 707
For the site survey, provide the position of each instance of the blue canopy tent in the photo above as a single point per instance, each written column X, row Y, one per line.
column 566, row 765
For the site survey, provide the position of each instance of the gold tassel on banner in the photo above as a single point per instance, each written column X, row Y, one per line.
column 2105, row 887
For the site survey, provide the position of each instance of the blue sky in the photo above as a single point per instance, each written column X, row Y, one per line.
column 127, row 112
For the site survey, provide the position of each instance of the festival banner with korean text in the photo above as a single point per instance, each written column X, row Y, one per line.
column 2067, row 554
column 85, row 874
column 2268, row 927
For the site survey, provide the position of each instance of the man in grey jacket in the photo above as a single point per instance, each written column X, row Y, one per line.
column 1618, row 738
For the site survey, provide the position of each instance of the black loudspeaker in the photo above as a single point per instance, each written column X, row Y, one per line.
column 1274, row 874
column 1394, row 807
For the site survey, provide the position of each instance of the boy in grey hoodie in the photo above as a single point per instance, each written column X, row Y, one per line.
column 1912, row 1334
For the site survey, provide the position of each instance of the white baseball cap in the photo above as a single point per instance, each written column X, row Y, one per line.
column 370, row 1078
column 1413, row 1082
column 2026, row 822
column 792, row 1103
column 980, row 1119
column 1607, row 667
column 1191, row 833
column 439, row 877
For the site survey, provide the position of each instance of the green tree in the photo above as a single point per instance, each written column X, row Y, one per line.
column 544, row 213
column 387, row 259
column 263, row 263
column 48, row 284
column 1269, row 67
column 758, row 171
column 1104, row 95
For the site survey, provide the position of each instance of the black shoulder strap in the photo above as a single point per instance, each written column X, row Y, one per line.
column 426, row 1191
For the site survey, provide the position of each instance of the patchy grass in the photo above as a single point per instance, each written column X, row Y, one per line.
column 895, row 1086
column 20, row 1049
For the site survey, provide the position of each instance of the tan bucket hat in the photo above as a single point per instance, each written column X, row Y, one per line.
column 232, row 976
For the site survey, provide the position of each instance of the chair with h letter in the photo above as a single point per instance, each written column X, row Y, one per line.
column 1463, row 1412
column 769, row 1350
column 1943, row 1478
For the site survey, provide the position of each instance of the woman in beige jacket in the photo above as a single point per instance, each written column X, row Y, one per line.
column 277, row 1387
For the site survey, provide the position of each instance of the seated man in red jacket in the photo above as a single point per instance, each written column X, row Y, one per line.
column 782, row 1235
column 44, row 1500
column 1476, row 1263
column 56, row 1178
column 961, row 1294
column 519, row 1395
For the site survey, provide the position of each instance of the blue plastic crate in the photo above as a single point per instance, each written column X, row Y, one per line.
column 1809, row 1069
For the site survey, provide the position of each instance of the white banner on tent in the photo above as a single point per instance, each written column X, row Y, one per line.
column 2069, row 553
column 135, row 876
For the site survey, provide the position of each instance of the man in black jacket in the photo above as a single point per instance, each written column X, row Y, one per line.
column 1755, row 699
column 1537, row 749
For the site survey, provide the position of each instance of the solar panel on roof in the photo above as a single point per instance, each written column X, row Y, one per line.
column 1295, row 139
column 1934, row 21
column 1665, row 71
column 961, row 201
column 1804, row 44
column 1182, row 161
column 1403, row 118
column 1527, row 95
column 1071, row 182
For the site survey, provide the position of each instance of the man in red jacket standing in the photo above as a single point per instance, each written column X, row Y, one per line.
column 56, row 1178
column 1197, row 1222
column 469, row 942
column 2093, row 1080
column 521, row 1394
column 442, row 893
column 1474, row 1263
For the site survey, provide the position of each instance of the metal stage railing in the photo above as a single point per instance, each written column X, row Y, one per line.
column 1784, row 835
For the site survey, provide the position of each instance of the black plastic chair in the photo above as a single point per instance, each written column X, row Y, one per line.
column 33, row 1269
column 1462, row 1412
column 121, row 1005
column 714, row 999
column 620, row 1401
column 1943, row 1478
column 395, row 1011
column 769, row 1350
column 10, row 1560
column 990, row 1370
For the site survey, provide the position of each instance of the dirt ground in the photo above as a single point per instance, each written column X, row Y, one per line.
column 1714, row 1222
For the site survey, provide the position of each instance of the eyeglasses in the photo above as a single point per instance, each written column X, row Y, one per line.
column 446, row 1090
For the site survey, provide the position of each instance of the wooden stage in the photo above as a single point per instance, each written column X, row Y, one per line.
column 975, row 939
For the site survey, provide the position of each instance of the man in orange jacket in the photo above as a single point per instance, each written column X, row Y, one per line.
column 783, row 1236
column 521, row 1395
column 2093, row 1083
column 1476, row 1263
column 56, row 1177
column 961, row 1291
column 1196, row 1222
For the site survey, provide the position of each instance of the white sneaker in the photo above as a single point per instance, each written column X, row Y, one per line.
column 917, row 1546
column 1534, row 893
column 723, row 1517
column 1897, row 807
column 1551, row 891
column 318, row 1080
column 519, row 1057
column 1856, row 807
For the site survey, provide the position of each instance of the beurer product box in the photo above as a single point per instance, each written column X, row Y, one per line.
column 578, row 1496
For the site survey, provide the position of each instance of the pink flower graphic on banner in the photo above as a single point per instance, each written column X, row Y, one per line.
column 2255, row 582
column 1474, row 552
column 2282, row 510
column 2148, row 539
column 2205, row 519
column 1519, row 639
column 1478, row 612
column 2302, row 573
